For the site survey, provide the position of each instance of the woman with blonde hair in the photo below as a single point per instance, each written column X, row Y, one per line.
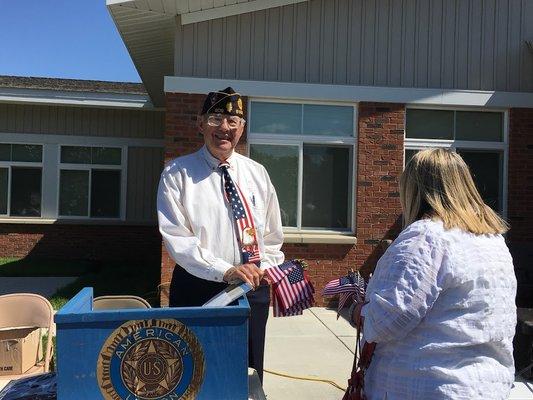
column 441, row 303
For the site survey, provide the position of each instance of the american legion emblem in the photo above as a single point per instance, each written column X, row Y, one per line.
column 151, row 359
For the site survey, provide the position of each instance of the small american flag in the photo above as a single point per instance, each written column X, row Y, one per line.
column 292, row 289
column 243, row 218
column 349, row 287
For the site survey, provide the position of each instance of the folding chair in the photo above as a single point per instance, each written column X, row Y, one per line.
column 116, row 302
column 28, row 310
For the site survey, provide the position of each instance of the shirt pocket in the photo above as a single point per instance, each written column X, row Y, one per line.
column 255, row 202
column 257, row 208
column 254, row 198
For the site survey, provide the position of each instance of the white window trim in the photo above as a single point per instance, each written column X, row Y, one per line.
column 31, row 164
column 299, row 141
column 50, row 176
column 503, row 146
column 88, row 167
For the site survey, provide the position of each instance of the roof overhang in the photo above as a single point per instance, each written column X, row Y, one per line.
column 74, row 98
column 353, row 93
column 148, row 29
column 233, row 9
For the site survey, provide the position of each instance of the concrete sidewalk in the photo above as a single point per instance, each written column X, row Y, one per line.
column 315, row 345
column 318, row 345
column 45, row 286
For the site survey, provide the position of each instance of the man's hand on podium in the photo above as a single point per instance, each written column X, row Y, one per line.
column 248, row 273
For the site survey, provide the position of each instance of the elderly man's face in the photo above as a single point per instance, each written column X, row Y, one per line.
column 221, row 133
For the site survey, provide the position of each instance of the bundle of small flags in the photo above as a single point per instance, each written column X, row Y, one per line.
column 349, row 287
column 292, row 289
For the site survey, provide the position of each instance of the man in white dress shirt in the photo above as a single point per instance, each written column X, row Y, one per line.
column 199, row 227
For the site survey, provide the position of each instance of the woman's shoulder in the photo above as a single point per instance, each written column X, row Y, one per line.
column 434, row 232
column 424, row 227
column 424, row 236
column 420, row 237
column 419, row 244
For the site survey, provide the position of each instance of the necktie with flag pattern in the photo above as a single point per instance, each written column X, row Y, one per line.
column 243, row 218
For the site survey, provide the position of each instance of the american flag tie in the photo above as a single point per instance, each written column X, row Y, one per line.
column 243, row 218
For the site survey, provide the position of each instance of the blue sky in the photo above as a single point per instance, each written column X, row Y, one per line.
column 62, row 39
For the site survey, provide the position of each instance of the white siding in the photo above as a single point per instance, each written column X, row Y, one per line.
column 78, row 121
column 144, row 168
column 453, row 44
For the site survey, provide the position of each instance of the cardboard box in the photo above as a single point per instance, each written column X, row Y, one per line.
column 20, row 349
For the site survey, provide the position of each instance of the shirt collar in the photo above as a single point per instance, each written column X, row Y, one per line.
column 214, row 162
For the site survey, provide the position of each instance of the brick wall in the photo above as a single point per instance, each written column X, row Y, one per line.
column 181, row 133
column 379, row 166
column 181, row 137
column 88, row 242
column 520, row 200
column 380, row 161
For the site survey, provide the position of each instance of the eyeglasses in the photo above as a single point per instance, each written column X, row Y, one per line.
column 217, row 119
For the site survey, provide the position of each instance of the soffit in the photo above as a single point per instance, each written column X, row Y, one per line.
column 148, row 28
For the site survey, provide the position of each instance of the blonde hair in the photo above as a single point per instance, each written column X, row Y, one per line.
column 437, row 184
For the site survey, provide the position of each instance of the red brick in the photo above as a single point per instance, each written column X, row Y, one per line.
column 520, row 197
column 520, row 171
column 81, row 242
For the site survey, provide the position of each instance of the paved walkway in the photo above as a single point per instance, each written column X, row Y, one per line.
column 318, row 345
column 45, row 286
column 315, row 345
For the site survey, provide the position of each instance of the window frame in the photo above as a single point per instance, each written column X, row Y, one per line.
column 89, row 167
column 299, row 140
column 27, row 164
column 501, row 146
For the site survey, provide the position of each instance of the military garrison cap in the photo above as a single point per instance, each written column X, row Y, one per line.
column 226, row 101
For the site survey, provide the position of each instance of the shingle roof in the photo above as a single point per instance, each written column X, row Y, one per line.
column 78, row 85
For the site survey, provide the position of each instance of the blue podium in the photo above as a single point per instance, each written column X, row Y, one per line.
column 159, row 353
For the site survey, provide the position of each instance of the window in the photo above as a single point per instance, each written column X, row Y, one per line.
column 308, row 150
column 20, row 180
column 478, row 136
column 90, row 182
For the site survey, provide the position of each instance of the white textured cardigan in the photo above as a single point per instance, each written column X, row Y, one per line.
column 442, row 310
